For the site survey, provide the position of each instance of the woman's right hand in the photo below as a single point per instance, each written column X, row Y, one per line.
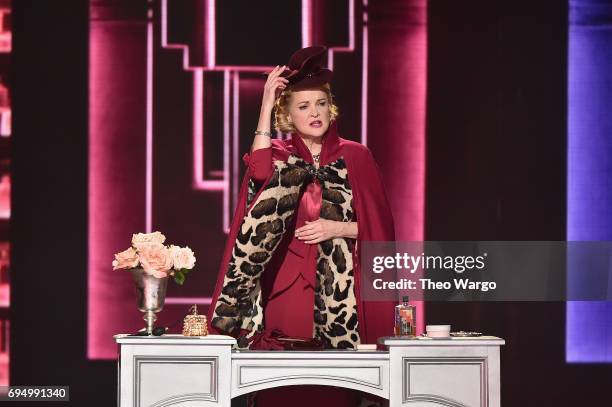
column 273, row 87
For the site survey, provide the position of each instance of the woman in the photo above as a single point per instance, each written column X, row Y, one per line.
column 291, row 263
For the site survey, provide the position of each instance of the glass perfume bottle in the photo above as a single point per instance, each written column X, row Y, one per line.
column 405, row 318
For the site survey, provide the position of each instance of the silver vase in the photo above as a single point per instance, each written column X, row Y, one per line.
column 151, row 294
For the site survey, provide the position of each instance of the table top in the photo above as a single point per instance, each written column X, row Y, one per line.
column 386, row 340
column 173, row 339
column 451, row 341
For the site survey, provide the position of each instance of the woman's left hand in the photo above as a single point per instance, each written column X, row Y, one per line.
column 319, row 230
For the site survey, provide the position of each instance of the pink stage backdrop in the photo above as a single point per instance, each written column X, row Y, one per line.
column 174, row 95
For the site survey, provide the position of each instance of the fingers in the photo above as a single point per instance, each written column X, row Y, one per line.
column 280, row 83
column 304, row 228
column 308, row 235
column 272, row 75
column 311, row 237
column 276, row 81
column 310, row 226
column 276, row 72
column 315, row 240
column 277, row 85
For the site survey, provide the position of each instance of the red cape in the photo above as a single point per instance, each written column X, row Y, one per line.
column 374, row 219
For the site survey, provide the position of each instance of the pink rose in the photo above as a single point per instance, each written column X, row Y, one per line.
column 156, row 259
column 182, row 257
column 126, row 259
column 143, row 239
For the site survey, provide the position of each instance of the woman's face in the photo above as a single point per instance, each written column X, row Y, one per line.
column 309, row 112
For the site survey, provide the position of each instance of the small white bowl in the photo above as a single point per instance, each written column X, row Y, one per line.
column 438, row 331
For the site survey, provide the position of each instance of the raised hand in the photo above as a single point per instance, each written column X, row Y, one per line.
column 275, row 84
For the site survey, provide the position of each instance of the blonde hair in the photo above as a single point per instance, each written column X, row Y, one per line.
column 281, row 109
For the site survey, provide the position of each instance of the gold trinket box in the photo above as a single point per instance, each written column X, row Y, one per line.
column 195, row 324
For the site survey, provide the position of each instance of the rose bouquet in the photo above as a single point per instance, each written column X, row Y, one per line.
column 149, row 253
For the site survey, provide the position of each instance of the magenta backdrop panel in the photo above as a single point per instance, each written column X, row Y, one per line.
column 117, row 164
column 397, row 68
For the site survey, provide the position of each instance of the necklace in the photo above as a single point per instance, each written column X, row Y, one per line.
column 315, row 157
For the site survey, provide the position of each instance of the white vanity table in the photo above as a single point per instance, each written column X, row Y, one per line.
column 173, row 370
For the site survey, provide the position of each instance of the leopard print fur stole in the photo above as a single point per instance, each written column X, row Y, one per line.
column 268, row 217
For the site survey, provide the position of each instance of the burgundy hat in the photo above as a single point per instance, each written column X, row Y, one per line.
column 306, row 69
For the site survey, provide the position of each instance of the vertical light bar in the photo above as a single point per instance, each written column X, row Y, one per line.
column 226, row 136
column 235, row 138
column 164, row 22
column 589, row 168
column 149, row 124
column 210, row 39
column 364, row 77
column 306, row 23
column 198, row 144
column 352, row 24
